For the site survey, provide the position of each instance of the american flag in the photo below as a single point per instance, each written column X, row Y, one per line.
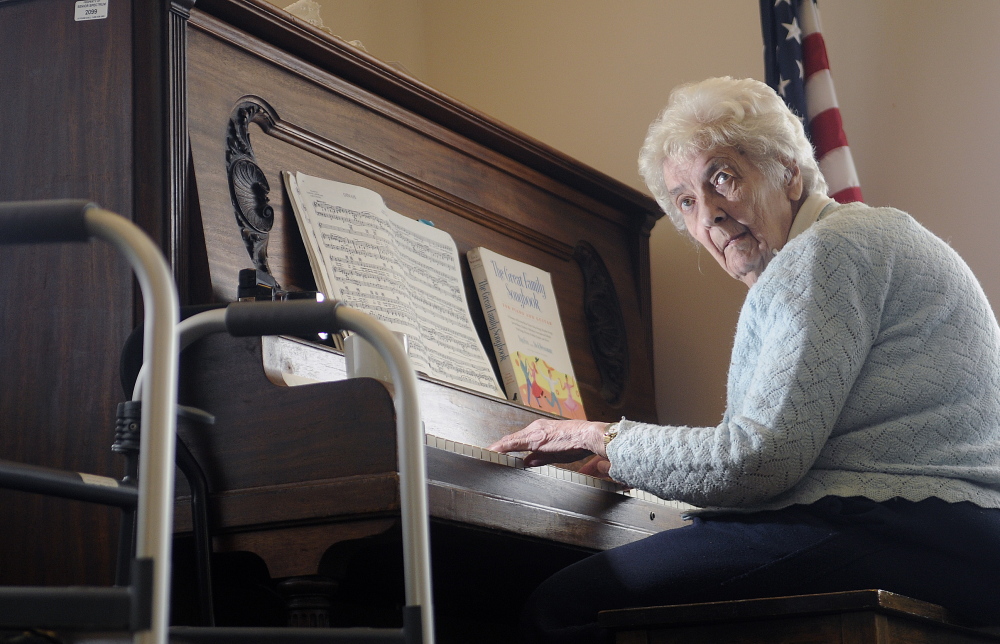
column 797, row 68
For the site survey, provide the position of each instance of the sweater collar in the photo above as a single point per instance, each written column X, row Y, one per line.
column 809, row 212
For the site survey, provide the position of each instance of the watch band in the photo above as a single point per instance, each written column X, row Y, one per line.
column 611, row 432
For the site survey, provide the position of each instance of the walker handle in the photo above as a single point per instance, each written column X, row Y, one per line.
column 40, row 222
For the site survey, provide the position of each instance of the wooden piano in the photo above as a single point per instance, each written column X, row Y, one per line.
column 226, row 94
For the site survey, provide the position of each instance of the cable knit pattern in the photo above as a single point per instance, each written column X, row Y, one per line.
column 866, row 363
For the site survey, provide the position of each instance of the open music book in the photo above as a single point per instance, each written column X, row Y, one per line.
column 403, row 272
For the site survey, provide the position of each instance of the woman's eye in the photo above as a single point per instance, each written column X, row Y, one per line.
column 722, row 179
column 686, row 203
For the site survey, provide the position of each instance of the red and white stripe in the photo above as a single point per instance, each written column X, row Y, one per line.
column 823, row 113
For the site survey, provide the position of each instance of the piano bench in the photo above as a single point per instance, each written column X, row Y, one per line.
column 855, row 617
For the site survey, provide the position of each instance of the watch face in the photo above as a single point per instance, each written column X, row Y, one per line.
column 610, row 433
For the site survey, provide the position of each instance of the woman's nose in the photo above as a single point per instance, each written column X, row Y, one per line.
column 711, row 213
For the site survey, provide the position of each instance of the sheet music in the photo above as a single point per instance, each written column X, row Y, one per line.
column 403, row 272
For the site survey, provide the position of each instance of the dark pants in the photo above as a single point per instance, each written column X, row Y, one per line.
column 947, row 554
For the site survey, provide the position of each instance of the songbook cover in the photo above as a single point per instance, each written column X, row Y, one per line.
column 522, row 318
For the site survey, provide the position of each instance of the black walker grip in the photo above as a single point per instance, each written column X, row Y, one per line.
column 294, row 317
column 40, row 222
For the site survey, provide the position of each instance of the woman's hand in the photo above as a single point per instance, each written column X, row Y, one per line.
column 555, row 441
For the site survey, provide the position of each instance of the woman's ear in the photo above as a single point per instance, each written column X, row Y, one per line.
column 793, row 183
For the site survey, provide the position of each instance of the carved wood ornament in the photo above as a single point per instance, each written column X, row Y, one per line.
column 248, row 187
column 608, row 336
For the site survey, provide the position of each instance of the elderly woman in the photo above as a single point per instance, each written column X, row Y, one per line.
column 860, row 445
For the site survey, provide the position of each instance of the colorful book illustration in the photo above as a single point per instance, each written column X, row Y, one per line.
column 522, row 318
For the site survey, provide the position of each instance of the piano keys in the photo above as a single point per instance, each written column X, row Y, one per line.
column 552, row 471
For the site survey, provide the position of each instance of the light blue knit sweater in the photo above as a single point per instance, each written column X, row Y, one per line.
column 866, row 363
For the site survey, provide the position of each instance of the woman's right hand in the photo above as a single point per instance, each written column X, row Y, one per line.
column 555, row 441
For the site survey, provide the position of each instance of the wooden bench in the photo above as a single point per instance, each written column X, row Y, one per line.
column 855, row 617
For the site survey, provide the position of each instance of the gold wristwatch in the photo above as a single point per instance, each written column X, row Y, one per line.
column 611, row 432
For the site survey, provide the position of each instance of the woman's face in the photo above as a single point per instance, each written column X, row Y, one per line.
column 733, row 210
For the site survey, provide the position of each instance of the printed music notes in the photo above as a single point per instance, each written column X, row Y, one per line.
column 403, row 272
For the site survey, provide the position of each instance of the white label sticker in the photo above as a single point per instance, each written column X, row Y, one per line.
column 91, row 10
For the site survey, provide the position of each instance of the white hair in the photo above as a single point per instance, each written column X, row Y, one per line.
column 744, row 114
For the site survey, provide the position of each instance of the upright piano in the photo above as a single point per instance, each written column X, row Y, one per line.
column 227, row 94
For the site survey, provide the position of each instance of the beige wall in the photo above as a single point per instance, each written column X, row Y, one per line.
column 392, row 30
column 917, row 82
